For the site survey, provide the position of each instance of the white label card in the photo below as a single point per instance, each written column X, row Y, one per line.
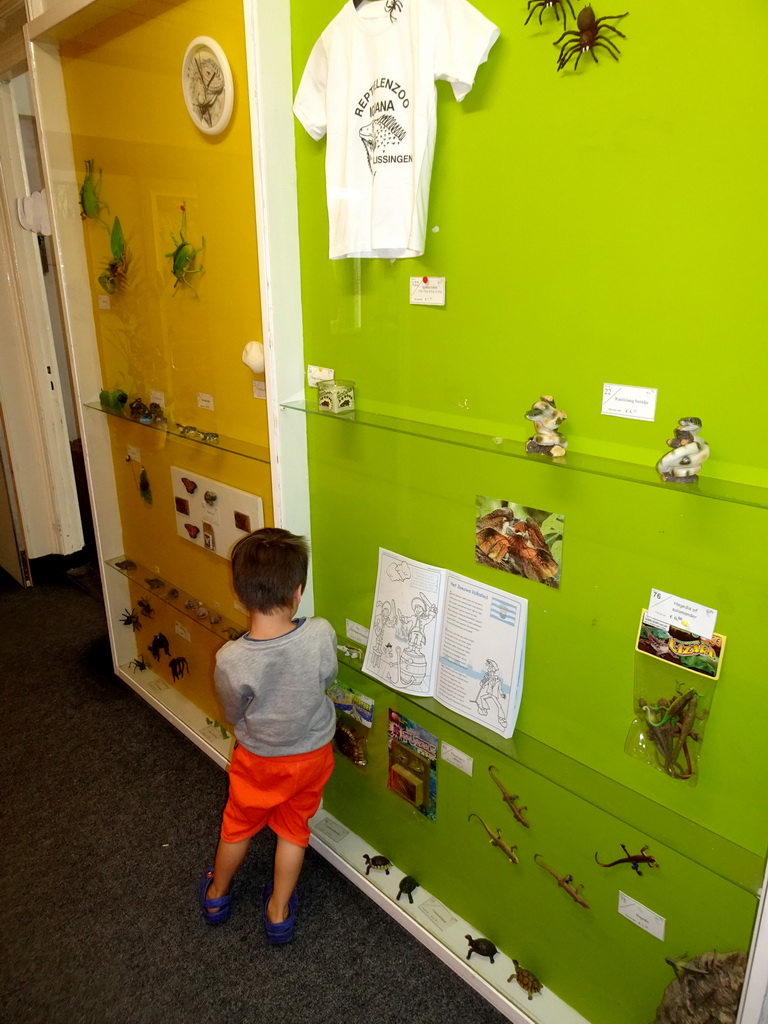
column 427, row 291
column 134, row 453
column 439, row 915
column 204, row 401
column 357, row 632
column 676, row 611
column 330, row 829
column 183, row 632
column 644, row 918
column 259, row 389
column 158, row 398
column 457, row 758
column 630, row 403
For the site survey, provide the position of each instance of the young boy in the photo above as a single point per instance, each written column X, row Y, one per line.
column 271, row 682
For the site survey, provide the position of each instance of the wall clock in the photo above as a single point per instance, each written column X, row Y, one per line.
column 206, row 81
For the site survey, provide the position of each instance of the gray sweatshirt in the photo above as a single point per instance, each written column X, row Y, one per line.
column 273, row 691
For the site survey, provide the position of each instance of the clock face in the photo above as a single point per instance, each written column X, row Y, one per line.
column 207, row 84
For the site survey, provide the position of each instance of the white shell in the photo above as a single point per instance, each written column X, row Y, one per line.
column 253, row 356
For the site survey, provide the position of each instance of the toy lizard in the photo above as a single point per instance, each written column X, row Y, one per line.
column 574, row 891
column 496, row 840
column 509, row 800
column 635, row 860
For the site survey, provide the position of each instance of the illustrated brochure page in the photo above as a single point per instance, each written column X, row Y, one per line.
column 437, row 633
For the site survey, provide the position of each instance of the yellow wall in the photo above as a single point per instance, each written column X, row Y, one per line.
column 127, row 114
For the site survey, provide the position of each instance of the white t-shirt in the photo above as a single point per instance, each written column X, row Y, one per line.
column 369, row 84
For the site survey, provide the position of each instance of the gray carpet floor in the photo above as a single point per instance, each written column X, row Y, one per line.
column 110, row 815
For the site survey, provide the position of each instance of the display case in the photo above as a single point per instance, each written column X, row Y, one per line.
column 440, row 397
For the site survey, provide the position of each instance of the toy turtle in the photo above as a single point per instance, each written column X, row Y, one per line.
column 379, row 863
column 407, row 885
column 525, row 979
column 483, row 947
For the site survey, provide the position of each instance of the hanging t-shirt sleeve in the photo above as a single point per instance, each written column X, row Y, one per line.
column 309, row 105
column 464, row 42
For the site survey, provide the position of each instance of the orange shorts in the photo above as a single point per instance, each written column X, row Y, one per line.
column 282, row 792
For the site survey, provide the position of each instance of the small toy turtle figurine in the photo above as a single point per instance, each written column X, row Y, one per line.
column 525, row 979
column 483, row 947
column 407, row 885
column 379, row 863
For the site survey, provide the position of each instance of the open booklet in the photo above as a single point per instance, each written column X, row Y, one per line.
column 437, row 634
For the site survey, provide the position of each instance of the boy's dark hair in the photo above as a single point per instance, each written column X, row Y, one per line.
column 267, row 567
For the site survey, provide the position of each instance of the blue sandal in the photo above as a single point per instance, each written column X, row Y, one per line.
column 282, row 932
column 215, row 911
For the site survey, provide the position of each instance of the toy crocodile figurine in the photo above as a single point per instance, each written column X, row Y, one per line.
column 634, row 860
column 496, row 840
column 509, row 800
column 574, row 891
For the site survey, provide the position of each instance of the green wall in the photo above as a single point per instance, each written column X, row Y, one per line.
column 603, row 226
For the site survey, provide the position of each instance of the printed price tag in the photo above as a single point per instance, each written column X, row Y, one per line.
column 644, row 918
column 675, row 611
column 629, row 402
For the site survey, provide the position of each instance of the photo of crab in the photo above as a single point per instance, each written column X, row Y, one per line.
column 519, row 539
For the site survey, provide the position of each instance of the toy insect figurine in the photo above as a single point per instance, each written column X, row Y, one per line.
column 130, row 618
column 547, row 440
column 178, row 667
column 688, row 452
column 90, row 204
column 159, row 643
column 146, row 608
column 543, row 5
column 183, row 256
column 116, row 269
column 139, row 663
column 590, row 33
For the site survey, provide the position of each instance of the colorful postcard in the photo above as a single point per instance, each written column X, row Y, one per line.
column 412, row 764
column 519, row 539
column 680, row 648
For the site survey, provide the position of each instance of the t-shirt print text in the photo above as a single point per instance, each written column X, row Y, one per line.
column 383, row 132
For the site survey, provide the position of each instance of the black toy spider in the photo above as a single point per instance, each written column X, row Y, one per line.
column 544, row 4
column 391, row 6
column 146, row 608
column 130, row 618
column 139, row 664
column 159, row 643
column 588, row 35
column 178, row 667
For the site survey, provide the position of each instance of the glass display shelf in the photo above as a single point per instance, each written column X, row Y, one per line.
column 704, row 487
column 182, row 602
column 154, row 689
column 699, row 844
column 224, row 443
